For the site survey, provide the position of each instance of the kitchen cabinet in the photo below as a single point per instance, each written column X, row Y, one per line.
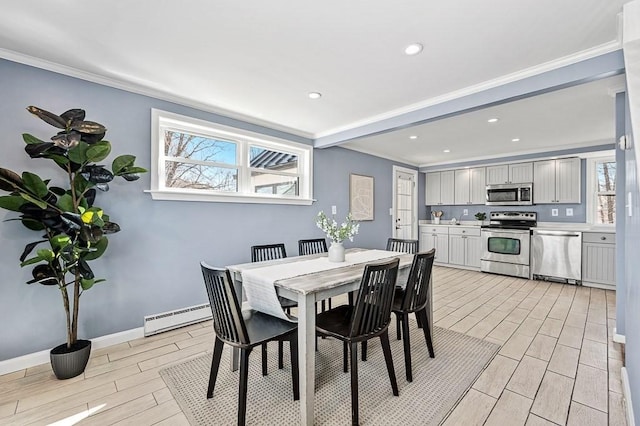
column 509, row 173
column 439, row 188
column 470, row 186
column 556, row 181
column 599, row 259
column 465, row 246
column 435, row 236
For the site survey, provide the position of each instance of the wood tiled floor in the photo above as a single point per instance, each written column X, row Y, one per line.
column 557, row 363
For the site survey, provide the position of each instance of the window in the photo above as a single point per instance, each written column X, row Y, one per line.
column 601, row 192
column 194, row 160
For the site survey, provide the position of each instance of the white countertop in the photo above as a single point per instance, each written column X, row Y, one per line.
column 565, row 226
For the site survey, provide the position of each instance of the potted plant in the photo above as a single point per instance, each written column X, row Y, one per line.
column 480, row 217
column 337, row 234
column 71, row 228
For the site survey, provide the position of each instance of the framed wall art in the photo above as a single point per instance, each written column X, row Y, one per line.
column 361, row 197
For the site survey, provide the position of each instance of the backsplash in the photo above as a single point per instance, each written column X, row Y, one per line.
column 543, row 210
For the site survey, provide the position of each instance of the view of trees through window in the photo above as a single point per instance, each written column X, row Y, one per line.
column 606, row 191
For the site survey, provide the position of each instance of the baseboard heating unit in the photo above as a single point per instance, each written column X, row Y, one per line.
column 158, row 323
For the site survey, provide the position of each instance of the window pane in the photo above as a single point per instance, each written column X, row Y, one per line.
column 261, row 158
column 184, row 145
column 606, row 213
column 196, row 176
column 265, row 183
column 606, row 173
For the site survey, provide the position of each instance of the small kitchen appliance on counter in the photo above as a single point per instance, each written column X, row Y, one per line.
column 506, row 243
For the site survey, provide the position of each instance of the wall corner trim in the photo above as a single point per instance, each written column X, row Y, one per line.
column 42, row 357
column 626, row 390
column 619, row 338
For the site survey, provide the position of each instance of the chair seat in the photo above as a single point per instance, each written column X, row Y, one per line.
column 287, row 303
column 397, row 300
column 262, row 327
column 335, row 322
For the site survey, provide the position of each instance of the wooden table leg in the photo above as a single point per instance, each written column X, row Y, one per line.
column 307, row 356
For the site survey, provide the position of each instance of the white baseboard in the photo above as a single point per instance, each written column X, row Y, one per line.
column 626, row 390
column 42, row 357
column 619, row 338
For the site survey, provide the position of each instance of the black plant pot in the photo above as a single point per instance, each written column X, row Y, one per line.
column 70, row 362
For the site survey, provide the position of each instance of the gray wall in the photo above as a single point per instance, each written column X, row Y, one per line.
column 631, row 294
column 152, row 265
column 543, row 210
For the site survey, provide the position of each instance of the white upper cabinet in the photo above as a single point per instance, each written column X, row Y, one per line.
column 557, row 181
column 470, row 186
column 510, row 173
column 439, row 188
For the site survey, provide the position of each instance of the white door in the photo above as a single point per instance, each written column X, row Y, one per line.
column 405, row 214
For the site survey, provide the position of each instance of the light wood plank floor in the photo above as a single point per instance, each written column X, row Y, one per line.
column 557, row 364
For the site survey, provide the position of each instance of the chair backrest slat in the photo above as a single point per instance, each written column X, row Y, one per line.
column 405, row 246
column 268, row 252
column 375, row 298
column 313, row 246
column 417, row 289
column 227, row 316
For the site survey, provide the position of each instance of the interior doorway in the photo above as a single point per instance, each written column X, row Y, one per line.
column 405, row 203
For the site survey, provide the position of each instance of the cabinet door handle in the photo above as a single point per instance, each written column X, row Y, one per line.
column 603, row 238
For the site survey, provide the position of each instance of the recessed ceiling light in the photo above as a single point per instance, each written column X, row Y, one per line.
column 447, row 150
column 492, row 120
column 413, row 49
column 413, row 137
column 315, row 95
column 515, row 140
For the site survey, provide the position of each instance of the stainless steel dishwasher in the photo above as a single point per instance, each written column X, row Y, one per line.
column 556, row 255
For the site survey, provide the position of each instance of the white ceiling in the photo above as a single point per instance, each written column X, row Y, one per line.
column 257, row 60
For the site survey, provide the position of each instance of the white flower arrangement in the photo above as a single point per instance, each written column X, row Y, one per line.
column 337, row 233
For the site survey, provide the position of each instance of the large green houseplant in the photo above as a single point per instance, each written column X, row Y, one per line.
column 71, row 227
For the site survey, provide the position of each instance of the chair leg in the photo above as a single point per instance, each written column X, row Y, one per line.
column 264, row 359
column 242, row 390
column 345, row 357
column 407, row 347
column 293, row 351
column 386, row 348
column 364, row 350
column 280, row 354
column 354, row 384
column 215, row 365
column 398, row 332
column 427, row 331
column 418, row 320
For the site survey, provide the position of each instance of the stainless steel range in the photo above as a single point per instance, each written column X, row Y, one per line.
column 506, row 243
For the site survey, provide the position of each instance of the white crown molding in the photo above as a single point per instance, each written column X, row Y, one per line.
column 495, row 160
column 31, row 360
column 141, row 89
column 490, row 84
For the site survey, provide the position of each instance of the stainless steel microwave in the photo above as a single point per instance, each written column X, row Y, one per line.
column 510, row 194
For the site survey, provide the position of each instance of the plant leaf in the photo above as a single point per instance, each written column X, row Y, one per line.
column 60, row 241
column 86, row 284
column 98, row 151
column 35, row 184
column 31, row 261
column 46, row 255
column 35, row 201
column 90, row 127
column 9, row 180
column 48, row 117
column 78, row 154
column 66, row 203
column 28, row 249
column 30, row 139
column 98, row 249
column 12, row 202
column 121, row 163
column 75, row 114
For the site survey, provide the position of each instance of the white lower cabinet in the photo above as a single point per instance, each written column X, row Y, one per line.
column 599, row 259
column 465, row 246
column 435, row 236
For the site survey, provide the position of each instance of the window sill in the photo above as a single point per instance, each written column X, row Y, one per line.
column 165, row 195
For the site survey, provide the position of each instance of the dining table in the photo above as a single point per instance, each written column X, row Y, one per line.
column 307, row 289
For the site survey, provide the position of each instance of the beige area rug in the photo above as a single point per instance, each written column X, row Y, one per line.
column 438, row 384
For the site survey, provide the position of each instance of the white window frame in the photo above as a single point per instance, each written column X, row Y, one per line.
column 591, row 193
column 161, row 120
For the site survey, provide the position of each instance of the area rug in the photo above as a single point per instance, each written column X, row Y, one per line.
column 438, row 384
